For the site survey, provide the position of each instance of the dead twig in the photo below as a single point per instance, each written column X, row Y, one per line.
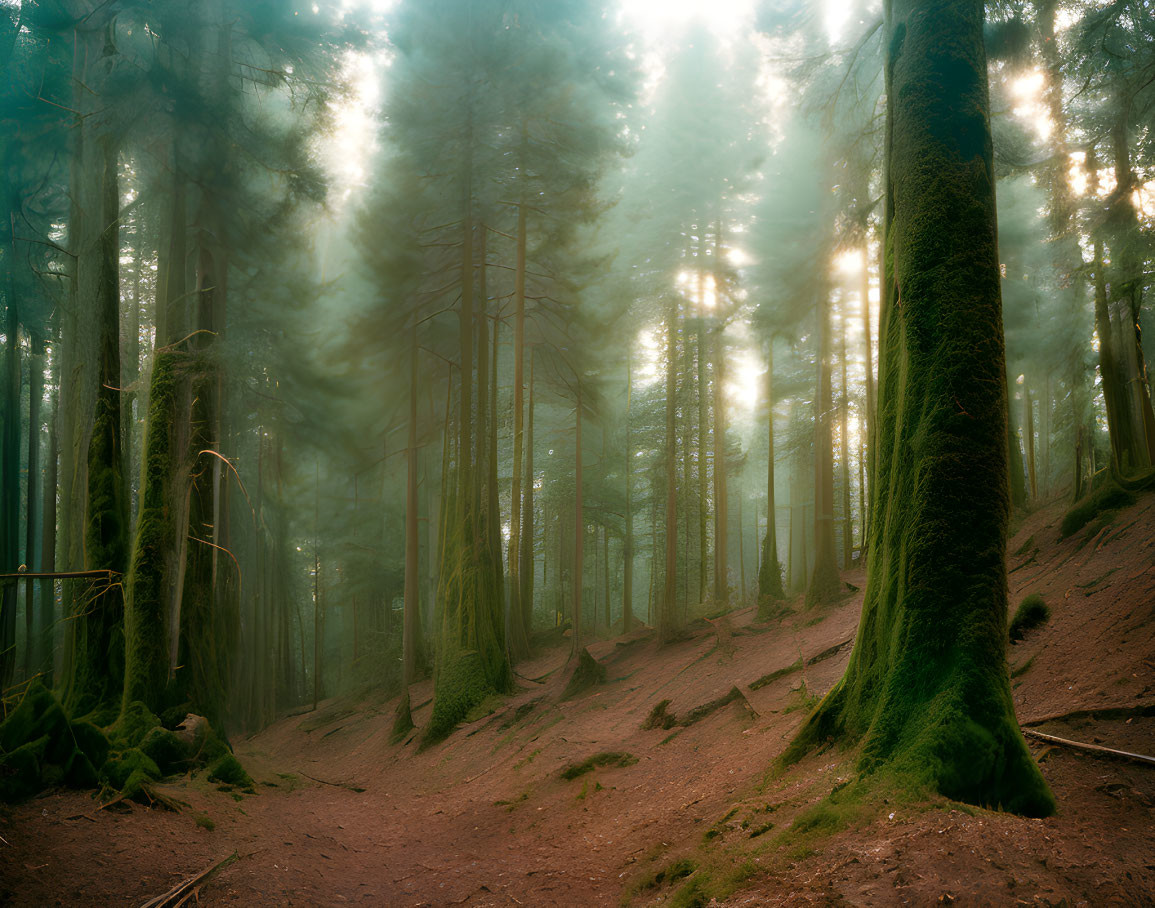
column 1090, row 748
column 188, row 888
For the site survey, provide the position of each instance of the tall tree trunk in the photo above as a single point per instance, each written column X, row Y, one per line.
column 525, row 571
column 703, row 456
column 1126, row 298
column 46, row 625
column 927, row 687
column 844, row 449
column 34, row 498
column 824, row 583
column 1029, row 439
column 579, row 533
column 10, row 482
column 518, row 416
column 97, row 667
column 628, row 539
column 769, row 569
column 721, row 511
column 666, row 624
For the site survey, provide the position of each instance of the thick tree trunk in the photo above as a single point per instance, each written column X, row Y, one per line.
column 97, row 666
column 927, row 685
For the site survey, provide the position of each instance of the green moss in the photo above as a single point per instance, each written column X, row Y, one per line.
column 926, row 691
column 1031, row 613
column 1110, row 496
column 165, row 749
column 136, row 720
column 146, row 613
column 205, row 822
column 660, row 717
column 90, row 741
column 22, row 770
column 227, row 770
column 460, row 685
column 129, row 771
column 776, row 674
column 671, row 873
column 1023, row 669
column 588, row 673
column 40, row 748
column 606, row 758
column 96, row 669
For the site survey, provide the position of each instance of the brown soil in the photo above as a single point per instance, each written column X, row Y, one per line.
column 485, row 818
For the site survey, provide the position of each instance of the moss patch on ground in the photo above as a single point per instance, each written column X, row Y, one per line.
column 1031, row 613
column 606, row 758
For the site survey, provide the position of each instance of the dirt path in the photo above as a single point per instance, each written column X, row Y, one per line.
column 344, row 817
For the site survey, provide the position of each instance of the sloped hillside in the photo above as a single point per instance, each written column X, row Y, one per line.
column 653, row 784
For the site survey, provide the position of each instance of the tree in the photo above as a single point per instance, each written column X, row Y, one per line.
column 927, row 689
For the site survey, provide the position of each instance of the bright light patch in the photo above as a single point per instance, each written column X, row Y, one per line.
column 848, row 262
column 745, row 379
column 658, row 18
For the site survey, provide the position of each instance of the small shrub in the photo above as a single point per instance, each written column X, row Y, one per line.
column 1031, row 613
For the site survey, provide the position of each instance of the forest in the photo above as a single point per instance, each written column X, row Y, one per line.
column 577, row 452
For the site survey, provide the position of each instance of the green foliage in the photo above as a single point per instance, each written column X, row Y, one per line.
column 606, row 758
column 1109, row 496
column 1031, row 613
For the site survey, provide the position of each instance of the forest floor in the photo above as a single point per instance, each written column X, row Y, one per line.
column 485, row 818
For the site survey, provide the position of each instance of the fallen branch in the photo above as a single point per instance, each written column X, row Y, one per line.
column 1104, row 712
column 1090, row 748
column 344, row 785
column 181, row 892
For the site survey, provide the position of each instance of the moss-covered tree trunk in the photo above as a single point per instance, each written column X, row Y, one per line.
column 927, row 690
column 97, row 665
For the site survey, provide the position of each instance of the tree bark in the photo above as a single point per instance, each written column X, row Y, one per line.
column 927, row 688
